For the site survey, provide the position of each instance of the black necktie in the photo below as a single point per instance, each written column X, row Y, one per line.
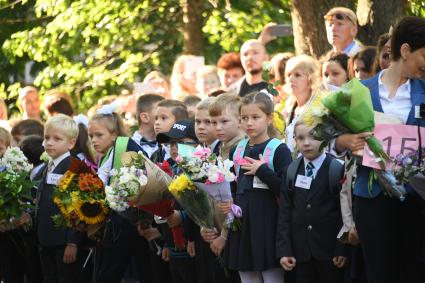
column 144, row 141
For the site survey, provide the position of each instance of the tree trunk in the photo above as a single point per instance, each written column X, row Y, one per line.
column 376, row 17
column 309, row 26
column 192, row 26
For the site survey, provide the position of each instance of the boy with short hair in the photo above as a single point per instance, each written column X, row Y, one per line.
column 205, row 132
column 191, row 101
column 61, row 259
column 182, row 266
column 224, row 112
column 145, row 137
column 24, row 128
column 167, row 113
column 310, row 214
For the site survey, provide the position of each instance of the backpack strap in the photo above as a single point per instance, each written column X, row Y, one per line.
column 270, row 150
column 336, row 172
column 291, row 174
column 119, row 148
column 238, row 154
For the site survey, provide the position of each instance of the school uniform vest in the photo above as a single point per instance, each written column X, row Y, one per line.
column 417, row 93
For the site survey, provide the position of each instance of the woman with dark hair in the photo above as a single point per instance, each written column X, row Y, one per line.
column 392, row 232
column 384, row 49
column 362, row 65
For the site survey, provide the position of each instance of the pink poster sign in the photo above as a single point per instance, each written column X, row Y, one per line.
column 395, row 139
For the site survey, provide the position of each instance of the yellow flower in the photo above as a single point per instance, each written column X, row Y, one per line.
column 279, row 122
column 181, row 184
column 66, row 180
column 315, row 110
column 92, row 212
column 61, row 207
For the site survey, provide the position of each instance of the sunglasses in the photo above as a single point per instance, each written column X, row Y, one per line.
column 338, row 16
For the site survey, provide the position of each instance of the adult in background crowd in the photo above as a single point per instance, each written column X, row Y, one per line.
column 392, row 232
column 29, row 103
column 229, row 69
column 253, row 54
column 384, row 50
column 363, row 64
column 341, row 30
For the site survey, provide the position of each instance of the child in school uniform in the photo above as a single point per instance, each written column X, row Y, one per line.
column 182, row 265
column 120, row 242
column 259, row 162
column 60, row 253
column 145, row 137
column 310, row 214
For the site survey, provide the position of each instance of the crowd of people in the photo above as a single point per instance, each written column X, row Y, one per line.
column 298, row 224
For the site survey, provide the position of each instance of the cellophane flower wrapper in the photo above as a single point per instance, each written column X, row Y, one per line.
column 221, row 192
column 417, row 182
column 15, row 184
column 196, row 203
column 352, row 107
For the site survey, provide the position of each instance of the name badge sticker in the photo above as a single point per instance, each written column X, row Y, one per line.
column 257, row 183
column 303, row 182
column 53, row 179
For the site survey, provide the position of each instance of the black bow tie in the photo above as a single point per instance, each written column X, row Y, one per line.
column 144, row 141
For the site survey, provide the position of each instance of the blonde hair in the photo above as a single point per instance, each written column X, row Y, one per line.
column 5, row 136
column 307, row 65
column 112, row 122
column 63, row 123
column 205, row 103
column 226, row 101
column 177, row 89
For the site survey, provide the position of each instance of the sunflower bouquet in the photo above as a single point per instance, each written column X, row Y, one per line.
column 80, row 197
column 15, row 193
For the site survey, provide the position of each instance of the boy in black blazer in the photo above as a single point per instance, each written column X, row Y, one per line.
column 61, row 259
column 310, row 215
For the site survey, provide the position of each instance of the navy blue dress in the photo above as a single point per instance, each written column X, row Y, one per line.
column 253, row 247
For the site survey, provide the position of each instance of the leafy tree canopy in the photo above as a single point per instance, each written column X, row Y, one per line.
column 91, row 48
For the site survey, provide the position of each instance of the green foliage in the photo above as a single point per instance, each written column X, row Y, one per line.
column 91, row 48
column 416, row 8
column 15, row 195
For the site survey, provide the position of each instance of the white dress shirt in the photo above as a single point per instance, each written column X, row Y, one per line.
column 137, row 137
column 59, row 159
column 317, row 163
column 400, row 105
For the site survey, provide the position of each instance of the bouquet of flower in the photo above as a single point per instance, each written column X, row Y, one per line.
column 15, row 193
column 142, row 184
column 126, row 184
column 80, row 197
column 211, row 174
column 195, row 202
column 348, row 110
column 410, row 169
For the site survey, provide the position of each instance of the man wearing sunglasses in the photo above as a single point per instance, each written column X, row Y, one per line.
column 341, row 30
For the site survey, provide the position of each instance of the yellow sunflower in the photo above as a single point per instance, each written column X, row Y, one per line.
column 181, row 184
column 92, row 212
column 61, row 207
column 66, row 180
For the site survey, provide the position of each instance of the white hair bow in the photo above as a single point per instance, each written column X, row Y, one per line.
column 81, row 119
column 107, row 109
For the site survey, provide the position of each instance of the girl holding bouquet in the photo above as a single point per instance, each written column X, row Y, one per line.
column 259, row 163
column 392, row 232
column 121, row 240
